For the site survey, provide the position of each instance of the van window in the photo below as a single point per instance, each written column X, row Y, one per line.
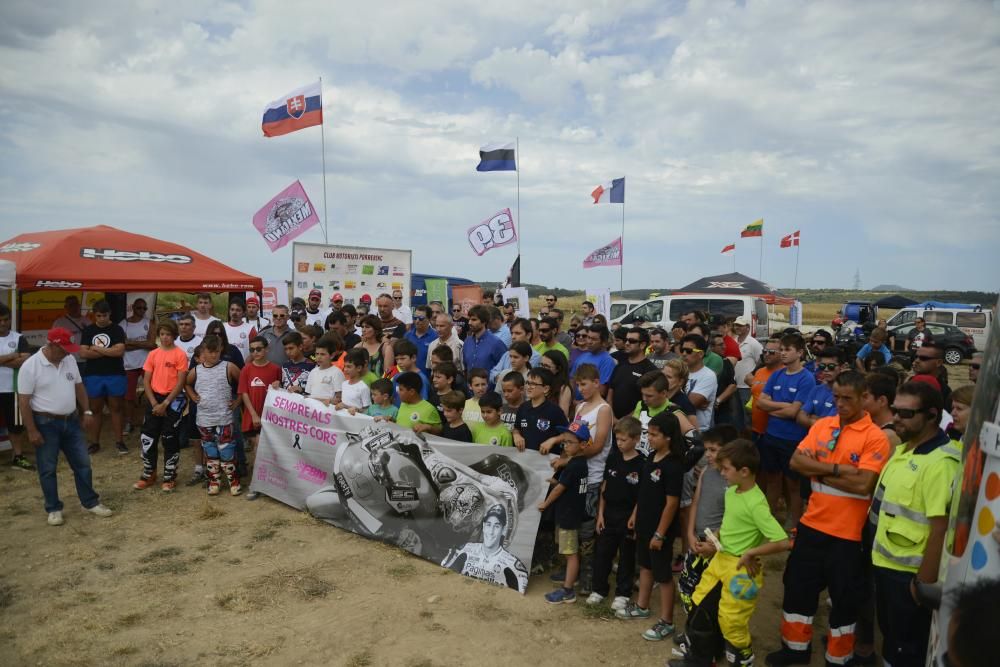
column 938, row 316
column 760, row 310
column 724, row 307
column 971, row 320
column 902, row 317
column 618, row 309
column 648, row 312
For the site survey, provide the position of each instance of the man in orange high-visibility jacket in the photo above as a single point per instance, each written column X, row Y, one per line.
column 842, row 455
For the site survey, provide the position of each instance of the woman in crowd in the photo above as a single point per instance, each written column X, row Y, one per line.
column 380, row 357
column 677, row 376
column 555, row 362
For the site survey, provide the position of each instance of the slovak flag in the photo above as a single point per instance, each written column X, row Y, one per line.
column 610, row 193
column 790, row 240
column 299, row 109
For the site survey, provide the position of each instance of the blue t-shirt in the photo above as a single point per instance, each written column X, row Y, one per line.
column 867, row 349
column 820, row 402
column 602, row 360
column 786, row 388
column 423, row 387
column 422, row 343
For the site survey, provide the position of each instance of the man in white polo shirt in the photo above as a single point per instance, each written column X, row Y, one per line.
column 49, row 390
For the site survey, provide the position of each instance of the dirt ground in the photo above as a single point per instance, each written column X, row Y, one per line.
column 185, row 579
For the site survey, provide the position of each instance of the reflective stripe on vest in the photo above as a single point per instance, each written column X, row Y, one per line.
column 819, row 487
column 905, row 561
column 892, row 509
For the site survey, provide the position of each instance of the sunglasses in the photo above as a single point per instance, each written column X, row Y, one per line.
column 257, row 349
column 772, row 351
column 547, row 330
column 974, row 367
column 905, row 413
column 924, row 357
column 138, row 307
column 832, row 445
column 549, row 299
column 419, row 318
column 690, row 350
column 633, row 341
column 397, row 298
column 279, row 316
column 818, row 341
column 826, row 367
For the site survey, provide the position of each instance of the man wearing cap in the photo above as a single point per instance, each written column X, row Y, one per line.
column 314, row 314
column 750, row 353
column 253, row 314
column 50, row 389
column 74, row 322
column 489, row 560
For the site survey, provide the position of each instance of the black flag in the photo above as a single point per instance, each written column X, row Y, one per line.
column 514, row 275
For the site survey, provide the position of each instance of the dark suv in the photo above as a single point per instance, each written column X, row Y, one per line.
column 956, row 343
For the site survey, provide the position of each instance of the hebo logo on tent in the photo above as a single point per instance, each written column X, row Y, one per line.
column 19, row 247
column 58, row 284
column 130, row 256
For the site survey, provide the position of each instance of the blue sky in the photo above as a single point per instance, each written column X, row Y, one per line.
column 871, row 127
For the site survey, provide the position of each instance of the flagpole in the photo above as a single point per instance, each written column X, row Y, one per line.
column 734, row 260
column 322, row 138
column 621, row 267
column 795, row 282
column 517, row 172
column 760, row 269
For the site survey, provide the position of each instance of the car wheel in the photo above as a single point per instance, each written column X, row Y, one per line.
column 953, row 356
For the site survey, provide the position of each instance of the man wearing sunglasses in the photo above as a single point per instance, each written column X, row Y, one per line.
column 918, row 336
column 820, row 340
column 421, row 334
column 842, row 455
column 910, row 513
column 400, row 310
column 624, row 393
column 703, row 384
column 757, row 381
column 974, row 365
column 460, row 321
column 548, row 327
column 929, row 360
column 820, row 403
column 274, row 333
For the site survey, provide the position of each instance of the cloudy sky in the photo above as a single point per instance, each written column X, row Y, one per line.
column 872, row 127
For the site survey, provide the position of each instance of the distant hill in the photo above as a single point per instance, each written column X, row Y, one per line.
column 890, row 288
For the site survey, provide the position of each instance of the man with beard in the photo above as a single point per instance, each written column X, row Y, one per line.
column 548, row 328
column 482, row 349
column 489, row 560
column 392, row 325
column 624, row 392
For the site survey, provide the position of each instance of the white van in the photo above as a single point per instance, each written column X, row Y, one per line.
column 663, row 311
column 973, row 321
column 623, row 307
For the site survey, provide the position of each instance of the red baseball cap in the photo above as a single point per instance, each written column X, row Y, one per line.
column 337, row 296
column 365, row 298
column 315, row 293
column 63, row 338
column 253, row 299
column 927, row 379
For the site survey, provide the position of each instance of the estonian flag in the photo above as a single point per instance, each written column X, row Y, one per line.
column 497, row 157
column 610, row 193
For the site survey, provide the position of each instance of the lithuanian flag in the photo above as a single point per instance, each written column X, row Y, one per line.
column 755, row 228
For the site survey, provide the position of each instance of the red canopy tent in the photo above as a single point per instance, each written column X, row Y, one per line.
column 106, row 259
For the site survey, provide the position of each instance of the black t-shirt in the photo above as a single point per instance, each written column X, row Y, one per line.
column 462, row 324
column 233, row 355
column 571, row 505
column 621, row 488
column 726, row 377
column 461, row 433
column 537, row 425
column 106, row 337
column 681, row 400
column 659, row 479
column 625, row 382
column 350, row 340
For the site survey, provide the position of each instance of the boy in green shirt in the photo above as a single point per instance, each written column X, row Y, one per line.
column 729, row 589
column 414, row 412
column 491, row 431
column 381, row 408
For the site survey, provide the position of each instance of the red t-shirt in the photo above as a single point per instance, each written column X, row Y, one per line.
column 254, row 381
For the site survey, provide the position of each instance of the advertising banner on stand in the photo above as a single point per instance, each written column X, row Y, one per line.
column 437, row 290
column 355, row 272
column 470, row 508
column 517, row 297
column 466, row 296
column 601, row 298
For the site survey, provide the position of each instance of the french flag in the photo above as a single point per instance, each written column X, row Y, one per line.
column 610, row 193
column 497, row 157
column 297, row 110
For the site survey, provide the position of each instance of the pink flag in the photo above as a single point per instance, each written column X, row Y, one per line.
column 492, row 233
column 609, row 255
column 285, row 217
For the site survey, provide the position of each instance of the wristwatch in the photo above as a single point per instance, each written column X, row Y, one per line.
column 88, row 413
column 657, row 536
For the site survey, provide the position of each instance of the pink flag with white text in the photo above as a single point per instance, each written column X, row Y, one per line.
column 285, row 217
column 609, row 255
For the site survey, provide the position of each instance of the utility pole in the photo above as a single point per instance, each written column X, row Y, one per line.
column 857, row 280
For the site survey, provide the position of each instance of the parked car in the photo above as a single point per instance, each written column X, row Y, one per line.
column 957, row 344
column 970, row 318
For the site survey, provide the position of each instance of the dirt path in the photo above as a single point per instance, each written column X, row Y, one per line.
column 183, row 579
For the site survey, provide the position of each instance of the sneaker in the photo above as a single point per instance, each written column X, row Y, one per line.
column 21, row 462
column 94, row 448
column 632, row 610
column 561, row 596
column 128, row 429
column 787, row 656
column 659, row 632
column 168, row 487
column 144, row 484
column 55, row 519
column 558, row 577
column 595, row 598
column 197, row 478
column 235, row 490
column 619, row 603
column 100, row 510
column 252, row 495
column 213, row 489
column 122, row 449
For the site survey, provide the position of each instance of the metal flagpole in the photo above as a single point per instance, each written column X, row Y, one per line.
column 621, row 267
column 734, row 260
column 795, row 282
column 517, row 172
column 760, row 269
column 322, row 135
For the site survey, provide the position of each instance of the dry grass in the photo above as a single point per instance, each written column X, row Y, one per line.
column 7, row 594
column 210, row 511
column 265, row 592
column 360, row 659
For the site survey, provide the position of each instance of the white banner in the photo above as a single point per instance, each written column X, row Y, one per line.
column 355, row 272
column 601, row 298
column 518, row 296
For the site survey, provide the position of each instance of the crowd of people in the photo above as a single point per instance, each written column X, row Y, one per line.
column 685, row 454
